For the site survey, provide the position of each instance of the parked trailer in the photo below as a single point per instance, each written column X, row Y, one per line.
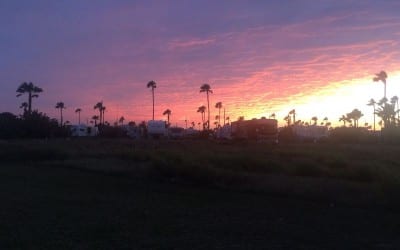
column 256, row 129
column 157, row 129
column 312, row 132
column 83, row 130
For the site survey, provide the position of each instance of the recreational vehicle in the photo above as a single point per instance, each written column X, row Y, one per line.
column 256, row 129
column 83, row 130
column 156, row 129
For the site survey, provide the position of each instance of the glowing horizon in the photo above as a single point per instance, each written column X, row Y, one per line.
column 259, row 58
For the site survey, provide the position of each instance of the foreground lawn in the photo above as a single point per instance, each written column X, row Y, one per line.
column 121, row 194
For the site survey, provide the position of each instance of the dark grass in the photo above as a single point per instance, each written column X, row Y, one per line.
column 123, row 194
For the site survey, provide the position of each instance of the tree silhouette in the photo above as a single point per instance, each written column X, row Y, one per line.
column 343, row 119
column 32, row 92
column 167, row 112
column 355, row 115
column 272, row 116
column 103, row 110
column 293, row 113
column 372, row 103
column 121, row 120
column 78, row 110
column 207, row 89
column 152, row 85
column 381, row 76
column 387, row 113
column 314, row 119
column 60, row 106
column 228, row 119
column 287, row 119
column 24, row 105
column 395, row 101
column 218, row 105
column 202, row 110
column 99, row 106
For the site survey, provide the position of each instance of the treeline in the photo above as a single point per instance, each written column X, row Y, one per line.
column 30, row 125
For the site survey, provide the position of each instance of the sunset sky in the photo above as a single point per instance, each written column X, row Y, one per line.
column 260, row 57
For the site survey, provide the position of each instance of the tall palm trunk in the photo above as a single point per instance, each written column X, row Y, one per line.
column 374, row 117
column 29, row 102
column 61, row 117
column 219, row 117
column 79, row 118
column 208, row 106
column 152, row 92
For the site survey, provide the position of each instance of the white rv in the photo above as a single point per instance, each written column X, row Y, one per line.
column 83, row 130
column 156, row 128
column 312, row 132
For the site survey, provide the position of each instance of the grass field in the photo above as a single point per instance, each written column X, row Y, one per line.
column 114, row 194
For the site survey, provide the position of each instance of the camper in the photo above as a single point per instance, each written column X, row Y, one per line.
column 312, row 132
column 256, row 129
column 157, row 129
column 83, row 130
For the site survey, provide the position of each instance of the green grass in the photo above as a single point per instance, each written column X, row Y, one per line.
column 124, row 194
column 207, row 162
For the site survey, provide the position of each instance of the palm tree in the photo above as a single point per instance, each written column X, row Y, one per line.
column 387, row 113
column 287, row 119
column 207, row 89
column 99, row 106
column 95, row 118
column 121, row 120
column 32, row 91
column 103, row 110
column 202, row 110
column 314, row 119
column 218, row 105
column 24, row 105
column 325, row 120
column 61, row 106
column 355, row 115
column 381, row 76
column 167, row 112
column 152, row 85
column 395, row 100
column 78, row 110
column 372, row 103
column 293, row 112
column 272, row 116
column 228, row 119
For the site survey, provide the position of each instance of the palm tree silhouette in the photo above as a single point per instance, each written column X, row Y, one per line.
column 372, row 103
column 103, row 110
column 61, row 106
column 207, row 89
column 395, row 101
column 314, row 119
column 202, row 110
column 293, row 112
column 99, row 106
column 381, row 76
column 287, row 119
column 32, row 91
column 121, row 120
column 355, row 115
column 228, row 119
column 343, row 119
column 24, row 105
column 272, row 116
column 95, row 118
column 387, row 113
column 218, row 105
column 167, row 112
column 152, row 85
column 78, row 110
